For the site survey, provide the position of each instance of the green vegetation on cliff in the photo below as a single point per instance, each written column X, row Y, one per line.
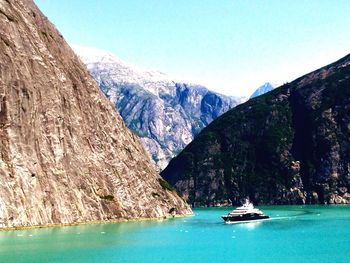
column 285, row 147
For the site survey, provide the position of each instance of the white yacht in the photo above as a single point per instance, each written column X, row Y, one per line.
column 245, row 213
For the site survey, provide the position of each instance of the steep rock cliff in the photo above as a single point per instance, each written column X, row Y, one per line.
column 65, row 154
column 289, row 146
column 165, row 113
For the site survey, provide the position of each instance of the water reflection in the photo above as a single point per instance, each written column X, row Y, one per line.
column 250, row 225
column 201, row 238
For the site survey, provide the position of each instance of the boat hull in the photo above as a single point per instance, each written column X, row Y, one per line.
column 244, row 218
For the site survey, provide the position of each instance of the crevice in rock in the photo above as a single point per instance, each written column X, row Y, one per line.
column 302, row 141
column 9, row 17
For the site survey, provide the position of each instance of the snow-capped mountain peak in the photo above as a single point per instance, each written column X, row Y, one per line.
column 93, row 55
column 266, row 87
column 110, row 64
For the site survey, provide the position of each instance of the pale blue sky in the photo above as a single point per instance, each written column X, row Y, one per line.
column 231, row 46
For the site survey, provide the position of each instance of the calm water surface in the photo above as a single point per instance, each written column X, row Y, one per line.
column 295, row 234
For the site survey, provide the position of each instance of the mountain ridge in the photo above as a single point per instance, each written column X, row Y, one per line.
column 166, row 113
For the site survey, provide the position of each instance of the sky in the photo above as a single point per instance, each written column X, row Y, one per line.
column 230, row 46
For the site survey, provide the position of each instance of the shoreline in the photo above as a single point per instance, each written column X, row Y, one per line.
column 229, row 206
column 95, row 222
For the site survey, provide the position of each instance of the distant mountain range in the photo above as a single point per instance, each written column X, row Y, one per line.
column 289, row 146
column 165, row 113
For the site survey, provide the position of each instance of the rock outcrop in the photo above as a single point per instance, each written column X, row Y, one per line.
column 164, row 113
column 289, row 146
column 65, row 154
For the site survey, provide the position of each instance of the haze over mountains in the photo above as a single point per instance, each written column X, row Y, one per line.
column 165, row 113
column 289, row 146
column 66, row 155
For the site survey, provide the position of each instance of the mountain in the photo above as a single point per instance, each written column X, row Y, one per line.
column 165, row 113
column 262, row 90
column 289, row 146
column 65, row 154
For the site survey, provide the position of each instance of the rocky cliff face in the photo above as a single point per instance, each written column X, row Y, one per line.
column 289, row 146
column 65, row 154
column 166, row 114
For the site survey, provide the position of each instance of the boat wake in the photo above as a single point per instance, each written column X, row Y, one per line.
column 257, row 221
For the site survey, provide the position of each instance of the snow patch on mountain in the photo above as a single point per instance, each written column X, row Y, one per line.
column 101, row 60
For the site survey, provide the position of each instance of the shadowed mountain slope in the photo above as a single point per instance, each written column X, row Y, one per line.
column 289, row 146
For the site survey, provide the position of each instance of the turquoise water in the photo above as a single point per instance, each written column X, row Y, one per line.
column 295, row 234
